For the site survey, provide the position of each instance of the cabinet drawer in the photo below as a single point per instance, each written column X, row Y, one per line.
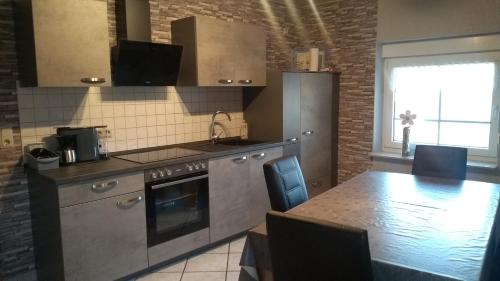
column 87, row 191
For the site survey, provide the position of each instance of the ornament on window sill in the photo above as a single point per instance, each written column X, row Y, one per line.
column 406, row 119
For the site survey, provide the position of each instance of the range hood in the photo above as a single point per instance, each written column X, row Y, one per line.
column 135, row 60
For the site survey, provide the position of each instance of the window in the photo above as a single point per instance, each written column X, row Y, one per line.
column 455, row 98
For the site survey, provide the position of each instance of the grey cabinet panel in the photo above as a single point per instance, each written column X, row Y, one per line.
column 229, row 195
column 70, row 39
column 104, row 239
column 182, row 245
column 100, row 188
column 249, row 55
column 291, row 106
column 292, row 149
column 315, row 123
column 216, row 51
column 259, row 200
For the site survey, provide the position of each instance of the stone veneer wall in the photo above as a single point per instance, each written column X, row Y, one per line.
column 349, row 37
column 350, row 25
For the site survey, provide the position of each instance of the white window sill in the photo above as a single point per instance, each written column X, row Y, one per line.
column 385, row 156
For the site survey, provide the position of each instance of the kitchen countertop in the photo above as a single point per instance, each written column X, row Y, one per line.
column 113, row 166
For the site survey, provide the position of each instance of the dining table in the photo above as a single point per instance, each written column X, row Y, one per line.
column 419, row 228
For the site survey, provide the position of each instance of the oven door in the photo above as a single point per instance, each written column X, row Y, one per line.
column 176, row 207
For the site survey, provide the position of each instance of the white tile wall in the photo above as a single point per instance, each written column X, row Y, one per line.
column 138, row 117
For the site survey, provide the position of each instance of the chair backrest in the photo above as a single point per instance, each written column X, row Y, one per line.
column 440, row 161
column 310, row 249
column 285, row 183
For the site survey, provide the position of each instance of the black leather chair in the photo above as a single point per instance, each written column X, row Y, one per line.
column 285, row 183
column 440, row 161
column 310, row 249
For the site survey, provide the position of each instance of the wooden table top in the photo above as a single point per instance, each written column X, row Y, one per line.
column 440, row 226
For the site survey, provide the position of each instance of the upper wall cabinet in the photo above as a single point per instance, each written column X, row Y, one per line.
column 220, row 53
column 62, row 43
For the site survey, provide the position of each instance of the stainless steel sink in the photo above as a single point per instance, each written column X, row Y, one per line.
column 238, row 142
column 226, row 144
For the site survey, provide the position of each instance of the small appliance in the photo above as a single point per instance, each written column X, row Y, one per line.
column 78, row 144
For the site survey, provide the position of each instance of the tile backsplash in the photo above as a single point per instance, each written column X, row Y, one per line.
column 138, row 117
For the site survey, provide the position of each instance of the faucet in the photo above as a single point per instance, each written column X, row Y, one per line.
column 214, row 137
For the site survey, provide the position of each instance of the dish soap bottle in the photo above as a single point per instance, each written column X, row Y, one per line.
column 244, row 130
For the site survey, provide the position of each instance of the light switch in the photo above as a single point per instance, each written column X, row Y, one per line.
column 7, row 137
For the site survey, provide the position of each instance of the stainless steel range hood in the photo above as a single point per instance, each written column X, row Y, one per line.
column 137, row 61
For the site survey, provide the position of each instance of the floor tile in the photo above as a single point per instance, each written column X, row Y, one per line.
column 234, row 262
column 236, row 246
column 174, row 267
column 233, row 276
column 207, row 262
column 222, row 249
column 161, row 277
column 204, row 276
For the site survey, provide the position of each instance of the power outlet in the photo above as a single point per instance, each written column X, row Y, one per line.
column 6, row 137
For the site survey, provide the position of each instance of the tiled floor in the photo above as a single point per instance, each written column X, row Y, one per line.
column 217, row 264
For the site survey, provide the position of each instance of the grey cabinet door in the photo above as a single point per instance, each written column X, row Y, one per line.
column 249, row 54
column 214, row 50
column 71, row 42
column 291, row 107
column 229, row 195
column 259, row 200
column 104, row 239
column 316, row 127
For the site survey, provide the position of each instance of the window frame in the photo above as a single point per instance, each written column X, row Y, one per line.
column 389, row 63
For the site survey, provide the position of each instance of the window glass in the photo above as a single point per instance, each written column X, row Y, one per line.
column 453, row 103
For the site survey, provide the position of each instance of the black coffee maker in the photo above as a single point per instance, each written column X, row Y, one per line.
column 83, row 141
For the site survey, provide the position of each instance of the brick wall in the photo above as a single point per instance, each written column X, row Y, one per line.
column 16, row 252
column 349, row 37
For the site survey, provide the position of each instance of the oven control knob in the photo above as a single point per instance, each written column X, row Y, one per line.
column 196, row 166
column 153, row 175
column 189, row 167
column 202, row 164
column 161, row 174
column 168, row 172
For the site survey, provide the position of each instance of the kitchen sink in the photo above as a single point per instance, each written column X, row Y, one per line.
column 226, row 144
column 238, row 142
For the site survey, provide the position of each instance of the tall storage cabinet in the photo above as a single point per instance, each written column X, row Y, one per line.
column 301, row 109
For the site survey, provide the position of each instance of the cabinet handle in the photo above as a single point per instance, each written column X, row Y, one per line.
column 99, row 187
column 308, row 133
column 240, row 159
column 292, row 140
column 128, row 203
column 246, row 82
column 93, row 80
column 225, row 81
column 259, row 156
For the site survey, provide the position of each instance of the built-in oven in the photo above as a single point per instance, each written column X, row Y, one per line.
column 176, row 201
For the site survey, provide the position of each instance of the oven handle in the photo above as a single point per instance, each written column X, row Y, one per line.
column 157, row 186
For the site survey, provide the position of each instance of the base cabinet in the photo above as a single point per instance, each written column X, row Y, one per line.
column 104, row 239
column 238, row 192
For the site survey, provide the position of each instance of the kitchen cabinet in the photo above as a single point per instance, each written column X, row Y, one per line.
column 301, row 109
column 90, row 230
column 259, row 196
column 238, row 192
column 104, row 239
column 220, row 53
column 62, row 43
column 229, row 195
